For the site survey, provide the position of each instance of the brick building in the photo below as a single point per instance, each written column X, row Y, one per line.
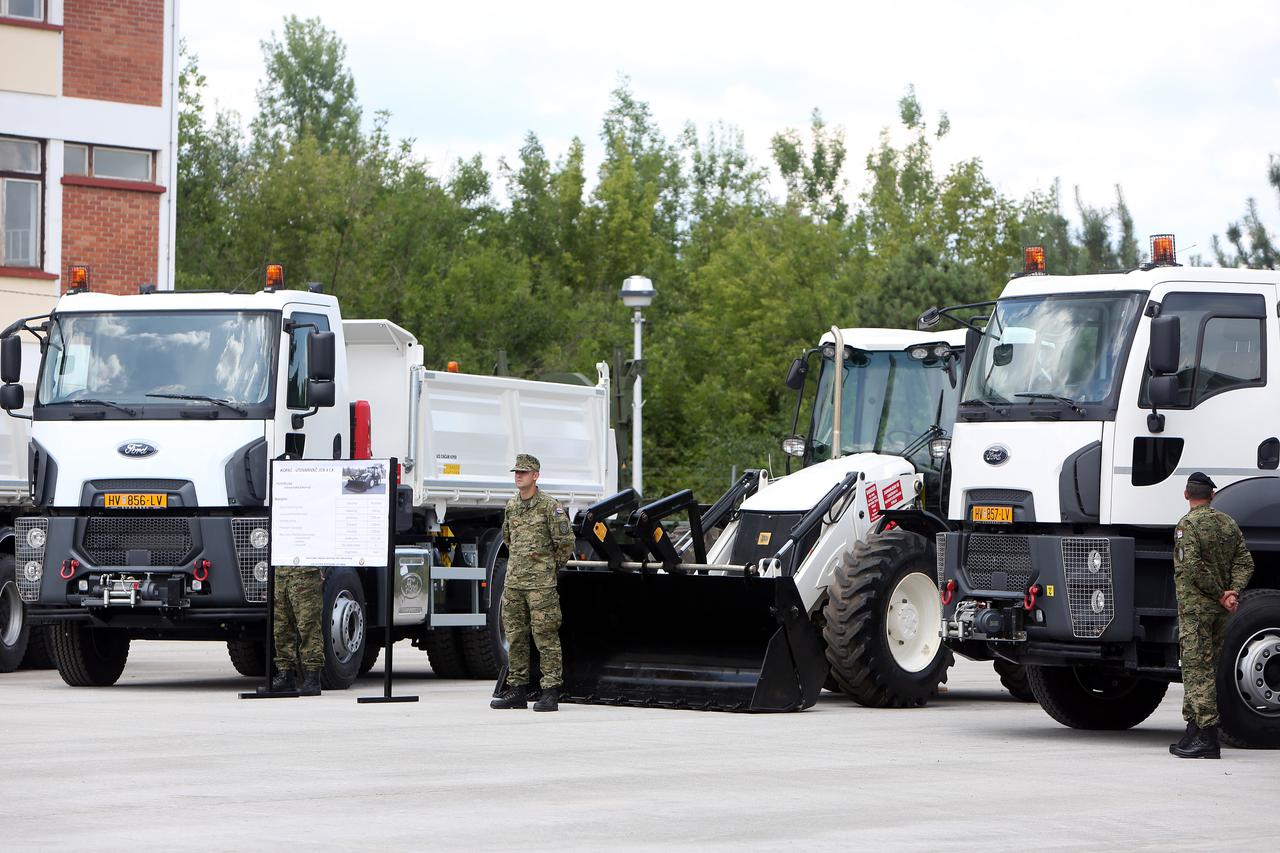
column 88, row 146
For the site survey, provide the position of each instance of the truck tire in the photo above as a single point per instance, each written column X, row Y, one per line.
column 88, row 657
column 346, row 629
column 38, row 655
column 15, row 633
column 882, row 616
column 1250, row 710
column 249, row 657
column 1013, row 677
column 1089, row 697
column 484, row 650
column 444, row 651
column 371, row 652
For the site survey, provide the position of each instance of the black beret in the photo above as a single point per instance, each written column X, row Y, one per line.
column 1200, row 478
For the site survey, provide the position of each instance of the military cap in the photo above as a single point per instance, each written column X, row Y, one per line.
column 527, row 462
column 1200, row 479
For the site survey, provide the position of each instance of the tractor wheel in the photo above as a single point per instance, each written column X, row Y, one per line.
column 15, row 633
column 1249, row 672
column 882, row 622
column 1088, row 697
column 89, row 657
column 1013, row 677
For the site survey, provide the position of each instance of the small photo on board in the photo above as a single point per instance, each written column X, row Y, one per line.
column 364, row 479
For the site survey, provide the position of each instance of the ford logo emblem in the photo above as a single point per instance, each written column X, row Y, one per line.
column 996, row 454
column 136, row 449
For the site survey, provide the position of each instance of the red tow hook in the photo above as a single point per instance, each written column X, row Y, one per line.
column 68, row 570
column 948, row 591
column 1029, row 600
column 200, row 570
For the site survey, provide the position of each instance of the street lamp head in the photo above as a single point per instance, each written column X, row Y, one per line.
column 637, row 292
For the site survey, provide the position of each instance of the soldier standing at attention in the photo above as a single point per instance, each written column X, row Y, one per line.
column 536, row 532
column 298, row 630
column 1210, row 566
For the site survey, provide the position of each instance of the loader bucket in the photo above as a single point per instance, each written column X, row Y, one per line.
column 698, row 641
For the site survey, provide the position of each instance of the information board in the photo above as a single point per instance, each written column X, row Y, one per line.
column 330, row 512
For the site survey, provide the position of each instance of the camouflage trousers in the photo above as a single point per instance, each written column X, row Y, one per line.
column 1201, row 637
column 536, row 612
column 299, row 626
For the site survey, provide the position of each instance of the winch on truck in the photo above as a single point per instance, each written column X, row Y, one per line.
column 798, row 590
column 1088, row 402
column 155, row 419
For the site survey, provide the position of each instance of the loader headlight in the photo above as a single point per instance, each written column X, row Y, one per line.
column 259, row 538
column 918, row 353
column 32, row 570
column 938, row 447
column 260, row 571
column 36, row 538
column 793, row 445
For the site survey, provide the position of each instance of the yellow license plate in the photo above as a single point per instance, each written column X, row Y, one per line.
column 992, row 514
column 116, row 500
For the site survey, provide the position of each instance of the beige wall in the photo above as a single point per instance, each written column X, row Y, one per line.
column 30, row 60
column 25, row 297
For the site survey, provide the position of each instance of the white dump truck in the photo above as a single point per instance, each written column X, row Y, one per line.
column 156, row 416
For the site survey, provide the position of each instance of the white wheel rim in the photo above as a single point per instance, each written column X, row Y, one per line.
column 911, row 622
column 1257, row 679
column 346, row 626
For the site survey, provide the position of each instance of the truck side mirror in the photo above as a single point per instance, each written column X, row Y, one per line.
column 321, row 395
column 1162, row 391
column 10, row 359
column 11, row 397
column 796, row 374
column 1166, row 333
column 321, row 357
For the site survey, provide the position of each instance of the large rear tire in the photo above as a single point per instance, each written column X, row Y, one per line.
column 15, row 633
column 1013, row 677
column 88, row 657
column 1087, row 697
column 371, row 652
column 882, row 622
column 346, row 629
column 249, row 657
column 444, row 651
column 484, row 650
column 1249, row 673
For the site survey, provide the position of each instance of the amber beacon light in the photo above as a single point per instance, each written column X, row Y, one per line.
column 1033, row 260
column 1163, row 253
column 275, row 277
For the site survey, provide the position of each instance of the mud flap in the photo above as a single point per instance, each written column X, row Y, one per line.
column 697, row 641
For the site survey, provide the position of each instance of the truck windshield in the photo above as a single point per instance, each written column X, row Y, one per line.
column 1063, row 351
column 888, row 401
column 131, row 361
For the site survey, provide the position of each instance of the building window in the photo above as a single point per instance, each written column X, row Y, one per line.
column 125, row 164
column 28, row 10
column 20, row 202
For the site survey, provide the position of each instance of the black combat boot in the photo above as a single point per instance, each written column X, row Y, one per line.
column 311, row 683
column 1191, row 732
column 549, row 700
column 515, row 696
column 284, row 681
column 1203, row 745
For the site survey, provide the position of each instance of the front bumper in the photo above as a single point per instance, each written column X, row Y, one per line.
column 1014, row 587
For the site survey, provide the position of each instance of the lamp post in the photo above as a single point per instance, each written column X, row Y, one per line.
column 637, row 293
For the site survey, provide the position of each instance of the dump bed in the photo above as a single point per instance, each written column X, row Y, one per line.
column 458, row 433
column 16, row 432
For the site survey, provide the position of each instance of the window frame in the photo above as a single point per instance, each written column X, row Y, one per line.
column 90, row 149
column 38, row 178
column 1144, row 399
column 42, row 17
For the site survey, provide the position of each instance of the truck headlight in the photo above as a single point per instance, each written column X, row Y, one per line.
column 32, row 570
column 36, row 538
column 259, row 537
column 260, row 571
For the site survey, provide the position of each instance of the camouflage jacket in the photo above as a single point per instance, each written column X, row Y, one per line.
column 538, row 538
column 1209, row 558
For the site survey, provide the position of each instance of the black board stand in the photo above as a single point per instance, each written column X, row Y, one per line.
column 390, row 597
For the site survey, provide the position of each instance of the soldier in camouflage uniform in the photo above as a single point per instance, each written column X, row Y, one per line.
column 1210, row 566
column 539, row 540
column 298, row 629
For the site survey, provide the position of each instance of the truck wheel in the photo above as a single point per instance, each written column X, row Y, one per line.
column 444, row 651
column 14, row 630
column 249, row 657
column 882, row 617
column 371, row 652
column 1089, row 697
column 1249, row 673
column 1013, row 677
column 38, row 655
column 345, row 621
column 88, row 657
column 484, row 650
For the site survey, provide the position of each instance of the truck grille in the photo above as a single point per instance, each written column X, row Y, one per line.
column 107, row 540
column 24, row 554
column 999, row 563
column 1091, row 598
column 940, row 548
column 248, row 556
column 997, row 495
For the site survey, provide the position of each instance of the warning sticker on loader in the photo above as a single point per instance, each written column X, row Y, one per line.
column 873, row 502
column 892, row 494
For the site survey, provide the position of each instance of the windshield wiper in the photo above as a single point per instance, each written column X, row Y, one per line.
column 1066, row 401
column 993, row 406
column 83, row 402
column 205, row 398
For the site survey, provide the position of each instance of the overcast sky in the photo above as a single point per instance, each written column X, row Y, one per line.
column 1177, row 102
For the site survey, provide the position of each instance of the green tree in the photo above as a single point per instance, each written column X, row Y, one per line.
column 1261, row 251
column 308, row 90
column 813, row 173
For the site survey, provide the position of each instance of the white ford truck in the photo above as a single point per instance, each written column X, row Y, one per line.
column 155, row 417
